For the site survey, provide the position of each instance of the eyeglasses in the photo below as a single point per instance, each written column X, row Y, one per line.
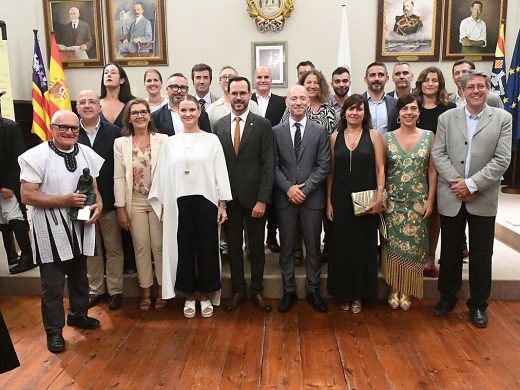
column 135, row 114
column 226, row 77
column 176, row 88
column 65, row 128
column 479, row 87
column 90, row 102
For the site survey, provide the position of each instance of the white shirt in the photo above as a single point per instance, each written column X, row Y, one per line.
column 243, row 118
column 263, row 102
column 471, row 125
column 292, row 127
column 473, row 29
column 75, row 23
column 379, row 114
column 138, row 19
column 91, row 137
column 176, row 120
column 207, row 100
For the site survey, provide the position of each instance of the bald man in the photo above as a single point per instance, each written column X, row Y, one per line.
column 49, row 174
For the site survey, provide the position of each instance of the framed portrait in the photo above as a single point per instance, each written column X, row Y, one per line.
column 77, row 27
column 408, row 30
column 136, row 32
column 274, row 56
column 471, row 28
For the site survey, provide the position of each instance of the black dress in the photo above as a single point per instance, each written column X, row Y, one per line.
column 352, row 272
column 8, row 358
column 429, row 117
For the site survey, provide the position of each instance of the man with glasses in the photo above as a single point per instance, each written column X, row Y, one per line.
column 472, row 150
column 49, row 174
column 222, row 106
column 167, row 119
column 100, row 136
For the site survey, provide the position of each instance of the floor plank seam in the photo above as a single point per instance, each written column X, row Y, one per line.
column 341, row 358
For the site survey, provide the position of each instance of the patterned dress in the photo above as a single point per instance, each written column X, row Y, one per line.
column 406, row 249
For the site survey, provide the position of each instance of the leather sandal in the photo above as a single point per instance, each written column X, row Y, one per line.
column 145, row 304
column 189, row 309
column 393, row 299
column 345, row 306
column 405, row 302
column 206, row 308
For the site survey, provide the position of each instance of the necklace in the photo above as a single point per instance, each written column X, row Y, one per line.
column 70, row 158
column 188, row 147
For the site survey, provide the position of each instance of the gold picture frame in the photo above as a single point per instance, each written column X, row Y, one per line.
column 80, row 45
column 136, row 44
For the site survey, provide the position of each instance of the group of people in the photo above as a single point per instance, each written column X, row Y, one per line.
column 172, row 170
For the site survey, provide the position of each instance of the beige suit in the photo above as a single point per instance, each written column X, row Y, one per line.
column 490, row 157
column 145, row 226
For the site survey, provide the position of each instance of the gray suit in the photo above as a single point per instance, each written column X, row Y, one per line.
column 489, row 159
column 311, row 168
column 493, row 100
column 142, row 30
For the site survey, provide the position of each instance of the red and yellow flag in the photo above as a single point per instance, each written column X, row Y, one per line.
column 40, row 102
column 59, row 96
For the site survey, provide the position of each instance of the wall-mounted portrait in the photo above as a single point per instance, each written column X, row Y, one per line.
column 136, row 32
column 471, row 28
column 77, row 27
column 273, row 55
column 408, row 30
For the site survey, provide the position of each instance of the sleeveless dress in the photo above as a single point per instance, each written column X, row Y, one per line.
column 352, row 268
column 406, row 249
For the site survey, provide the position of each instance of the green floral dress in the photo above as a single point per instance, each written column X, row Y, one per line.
column 406, row 248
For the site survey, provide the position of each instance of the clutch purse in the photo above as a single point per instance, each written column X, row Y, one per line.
column 361, row 200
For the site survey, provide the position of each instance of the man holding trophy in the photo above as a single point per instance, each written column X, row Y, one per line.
column 58, row 179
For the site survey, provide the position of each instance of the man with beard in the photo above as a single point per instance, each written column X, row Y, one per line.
column 166, row 118
column 402, row 77
column 247, row 140
column 382, row 107
column 408, row 23
column 341, row 85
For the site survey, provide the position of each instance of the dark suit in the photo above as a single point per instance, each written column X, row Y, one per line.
column 489, row 159
column 251, row 178
column 274, row 112
column 77, row 37
column 391, row 111
column 162, row 118
column 104, row 146
column 311, row 168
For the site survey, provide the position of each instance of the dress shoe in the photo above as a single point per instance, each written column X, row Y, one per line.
column 94, row 299
column 288, row 301
column 237, row 299
column 13, row 260
column 55, row 343
column 315, row 300
column 24, row 264
column 298, row 257
column 115, row 301
column 260, row 302
column 478, row 317
column 272, row 244
column 84, row 322
column 443, row 308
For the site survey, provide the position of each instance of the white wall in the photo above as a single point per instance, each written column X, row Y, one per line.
column 311, row 32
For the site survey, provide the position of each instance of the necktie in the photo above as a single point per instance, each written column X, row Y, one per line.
column 202, row 103
column 297, row 139
column 236, row 135
column 74, row 26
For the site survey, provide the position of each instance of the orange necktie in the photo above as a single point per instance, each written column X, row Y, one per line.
column 236, row 135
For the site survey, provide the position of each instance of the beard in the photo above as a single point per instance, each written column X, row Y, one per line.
column 341, row 92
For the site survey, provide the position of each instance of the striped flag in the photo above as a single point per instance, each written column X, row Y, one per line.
column 498, row 74
column 59, row 97
column 512, row 99
column 40, row 104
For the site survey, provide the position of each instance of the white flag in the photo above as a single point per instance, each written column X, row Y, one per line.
column 344, row 43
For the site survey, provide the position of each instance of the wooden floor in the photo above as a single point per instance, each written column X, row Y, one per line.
column 247, row 349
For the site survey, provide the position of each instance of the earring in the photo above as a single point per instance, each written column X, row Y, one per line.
column 418, row 120
column 398, row 119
